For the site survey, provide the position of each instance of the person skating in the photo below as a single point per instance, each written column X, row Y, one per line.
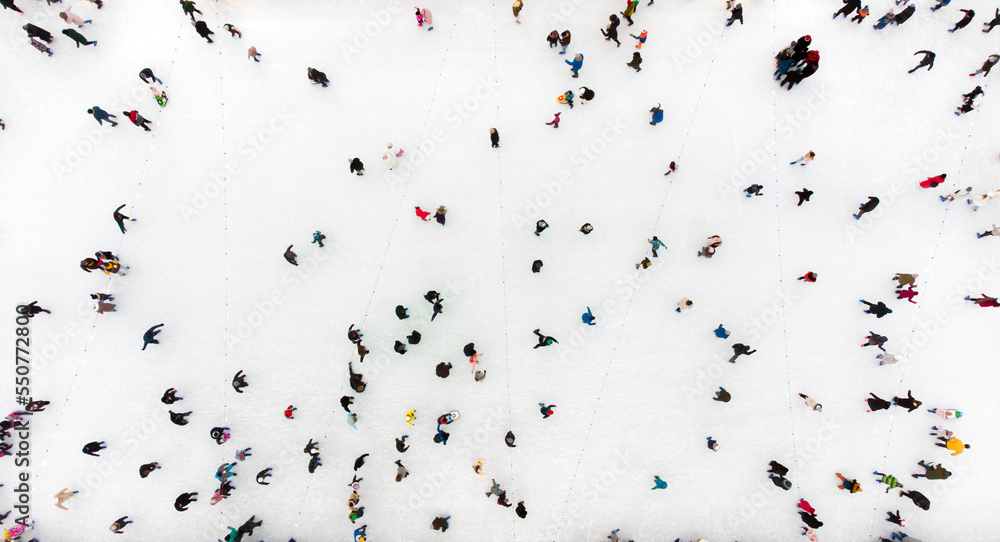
column 803, row 195
column 179, row 418
column 928, row 61
column 357, row 166
column 804, row 160
column 629, row 10
column 437, row 309
column 588, row 317
column 443, row 370
column 888, row 359
column 184, row 500
column 672, row 168
column 658, row 483
column 135, row 118
column 811, row 403
column 346, row 402
column 290, row 256
column 754, row 190
column 311, row 448
column 611, row 31
column 905, row 279
column 850, row 485
column 148, row 468
column 37, row 32
column 952, row 444
column 32, row 309
column 521, row 511
column 657, row 114
column 684, row 304
column 878, row 309
column 64, row 495
column 885, row 20
column 120, row 218
column 401, row 445
column 543, row 340
column 553, row 38
column 564, row 40
column 201, row 27
column 992, row 232
column 987, row 66
column 712, row 444
column 642, row 38
column 239, row 381
column 876, row 340
column 810, row 519
column 189, row 8
column 554, row 122
column 636, row 62
column 314, row 462
column 516, row 8
column 908, row 402
column 850, row 6
column 439, row 214
column 996, row 21
column 318, row 78
column 889, row 480
column 933, row 182
column 253, row 54
column 233, row 31
column 224, row 471
column 318, row 238
column 78, row 38
column 220, row 434
column 586, row 228
column 933, row 471
column 896, row 518
column 356, row 383
column 940, row 4
column 494, row 138
column 907, row 294
column 800, row 48
column 736, row 14
column 780, row 481
column 540, row 226
column 964, row 22
column 422, row 214
column 401, row 471
column 576, row 64
column 656, row 245
column 908, row 10
column 877, row 403
column 722, row 395
column 508, row 439
column 149, row 337
column 740, row 349
column 860, row 16
column 170, row 396
column 809, row 277
column 440, row 524
column 39, row 406
column 73, row 18
column 918, row 499
column 708, row 250
column 546, row 410
column 586, row 95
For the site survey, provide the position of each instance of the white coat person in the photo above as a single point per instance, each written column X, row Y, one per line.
column 390, row 157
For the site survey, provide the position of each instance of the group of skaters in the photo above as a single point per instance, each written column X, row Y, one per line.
column 40, row 38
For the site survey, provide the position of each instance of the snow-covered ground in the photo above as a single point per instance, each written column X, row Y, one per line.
column 248, row 158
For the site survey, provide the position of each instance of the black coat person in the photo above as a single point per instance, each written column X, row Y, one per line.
column 494, row 137
column 509, row 439
column 969, row 14
column 740, row 349
column 586, row 95
column 357, row 166
column 37, row 32
column 345, row 402
column 908, row 402
column 918, row 499
column 801, row 48
column 149, row 337
column 850, row 6
column 356, row 383
column 183, row 500
column 290, row 256
column 810, row 520
column 904, row 15
column 202, row 28
column 317, row 77
column 401, row 312
column 877, row 403
column 469, row 350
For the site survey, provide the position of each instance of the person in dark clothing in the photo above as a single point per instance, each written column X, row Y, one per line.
column 290, row 256
column 636, row 62
column 413, row 338
column 905, row 14
column 438, row 308
column 908, row 402
column 239, row 381
column 740, row 349
column 879, row 309
column 443, row 369
column 803, row 195
column 357, row 166
column 310, row 446
column 801, row 49
column 987, row 66
column 469, row 350
column 431, row 296
column 120, row 218
column 996, row 21
column 722, row 395
column 877, row 403
column 149, row 337
column 543, row 340
column 189, row 8
column 611, row 34
column 976, row 92
column 521, row 511
column 263, row 475
column 318, row 238
column 356, row 383
column 969, row 14
column 32, row 309
column 494, row 138
column 179, row 418
column 874, row 339
column 509, row 439
column 536, row 266
column 362, row 352
column 399, row 348
column 37, row 32
column 586, row 95
column 317, row 77
column 401, row 445
column 867, row 207
column 928, row 60
column 345, row 402
column 540, row 226
column 918, row 499
column 91, row 448
column 170, row 396
column 147, row 76
column 440, row 524
column 895, row 518
column 145, row 470
column 78, row 38
column 401, row 312
column 36, row 406
column 314, row 462
column 219, row 434
column 777, row 468
column 736, row 15
column 850, row 6
column 9, row 4
column 184, row 500
column 120, row 524
column 546, row 410
column 359, row 462
column 780, row 481
column 354, row 335
column 810, row 520
column 101, row 115
column 202, row 29
column 135, row 118
column 248, row 526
